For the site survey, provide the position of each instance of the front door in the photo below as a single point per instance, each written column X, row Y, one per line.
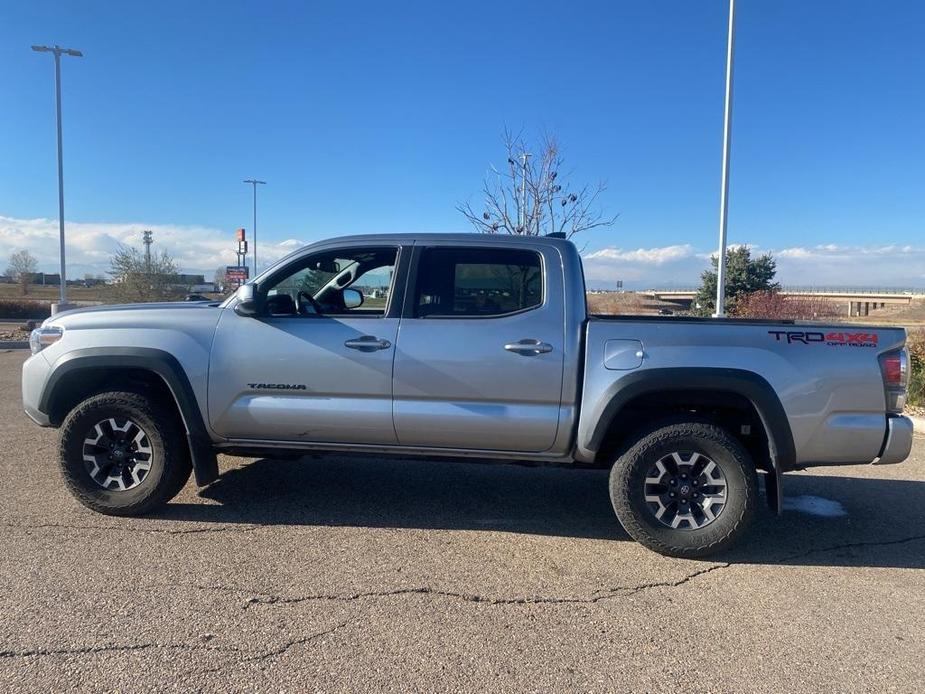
column 480, row 351
column 316, row 364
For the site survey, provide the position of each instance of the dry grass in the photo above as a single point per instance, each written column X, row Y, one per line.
column 51, row 293
column 907, row 315
column 627, row 304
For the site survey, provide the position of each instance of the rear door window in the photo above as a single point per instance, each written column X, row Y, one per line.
column 469, row 282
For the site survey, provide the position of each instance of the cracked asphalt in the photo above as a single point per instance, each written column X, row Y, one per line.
column 338, row 573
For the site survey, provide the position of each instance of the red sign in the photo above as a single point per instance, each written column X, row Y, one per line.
column 237, row 273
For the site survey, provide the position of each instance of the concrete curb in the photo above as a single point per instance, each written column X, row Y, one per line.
column 14, row 344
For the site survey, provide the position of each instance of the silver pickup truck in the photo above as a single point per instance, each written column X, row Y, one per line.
column 464, row 346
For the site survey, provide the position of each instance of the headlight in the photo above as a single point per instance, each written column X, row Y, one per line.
column 40, row 338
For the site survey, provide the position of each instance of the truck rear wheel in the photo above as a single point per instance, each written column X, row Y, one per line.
column 123, row 454
column 685, row 490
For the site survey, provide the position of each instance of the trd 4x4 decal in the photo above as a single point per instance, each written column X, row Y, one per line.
column 831, row 339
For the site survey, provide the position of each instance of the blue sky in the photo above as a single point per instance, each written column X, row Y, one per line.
column 371, row 116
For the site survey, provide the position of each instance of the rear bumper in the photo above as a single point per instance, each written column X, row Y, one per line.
column 898, row 442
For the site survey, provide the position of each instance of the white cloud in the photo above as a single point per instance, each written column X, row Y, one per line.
column 648, row 256
column 832, row 265
column 888, row 265
column 202, row 249
column 644, row 267
column 90, row 245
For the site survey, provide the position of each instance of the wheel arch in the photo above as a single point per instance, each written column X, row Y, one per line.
column 70, row 378
column 678, row 387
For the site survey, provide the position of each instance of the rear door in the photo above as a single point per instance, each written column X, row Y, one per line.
column 479, row 357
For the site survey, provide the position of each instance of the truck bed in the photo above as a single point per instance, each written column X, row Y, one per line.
column 827, row 376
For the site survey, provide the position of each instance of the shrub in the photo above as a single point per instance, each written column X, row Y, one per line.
column 775, row 306
column 23, row 308
column 916, row 345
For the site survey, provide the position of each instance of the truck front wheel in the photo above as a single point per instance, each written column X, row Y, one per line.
column 685, row 490
column 123, row 453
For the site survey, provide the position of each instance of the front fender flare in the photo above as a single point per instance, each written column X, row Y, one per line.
column 166, row 366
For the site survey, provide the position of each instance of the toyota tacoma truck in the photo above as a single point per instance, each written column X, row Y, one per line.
column 464, row 346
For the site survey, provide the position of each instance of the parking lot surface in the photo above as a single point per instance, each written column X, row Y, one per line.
column 337, row 573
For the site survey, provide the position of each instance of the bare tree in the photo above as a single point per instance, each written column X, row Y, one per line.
column 219, row 278
column 21, row 269
column 135, row 280
column 532, row 195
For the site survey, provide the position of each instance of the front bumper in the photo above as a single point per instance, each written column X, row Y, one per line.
column 898, row 442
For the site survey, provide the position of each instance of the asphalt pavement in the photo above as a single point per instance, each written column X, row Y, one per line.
column 349, row 574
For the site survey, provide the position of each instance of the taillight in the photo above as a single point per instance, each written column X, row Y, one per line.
column 892, row 370
column 895, row 369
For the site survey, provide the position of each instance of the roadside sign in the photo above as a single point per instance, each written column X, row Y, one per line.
column 237, row 273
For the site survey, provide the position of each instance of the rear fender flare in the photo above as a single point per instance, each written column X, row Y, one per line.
column 748, row 384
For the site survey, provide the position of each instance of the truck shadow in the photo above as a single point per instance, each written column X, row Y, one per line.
column 831, row 520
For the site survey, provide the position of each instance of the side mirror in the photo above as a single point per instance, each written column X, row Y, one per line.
column 353, row 298
column 247, row 301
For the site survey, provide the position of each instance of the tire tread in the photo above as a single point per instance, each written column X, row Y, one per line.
column 177, row 465
column 625, row 466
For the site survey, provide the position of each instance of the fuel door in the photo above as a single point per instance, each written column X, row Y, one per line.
column 623, row 355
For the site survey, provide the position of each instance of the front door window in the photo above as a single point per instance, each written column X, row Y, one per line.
column 354, row 282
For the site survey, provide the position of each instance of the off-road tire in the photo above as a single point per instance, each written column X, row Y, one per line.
column 170, row 466
column 627, row 485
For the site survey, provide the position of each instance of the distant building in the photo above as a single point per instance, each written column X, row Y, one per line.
column 45, row 278
column 204, row 288
column 190, row 279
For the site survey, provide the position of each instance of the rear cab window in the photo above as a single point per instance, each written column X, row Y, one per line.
column 477, row 282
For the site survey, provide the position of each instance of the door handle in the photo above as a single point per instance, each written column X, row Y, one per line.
column 528, row 347
column 368, row 343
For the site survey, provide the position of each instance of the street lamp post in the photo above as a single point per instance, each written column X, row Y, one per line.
column 525, row 156
column 254, row 182
column 724, row 183
column 57, row 51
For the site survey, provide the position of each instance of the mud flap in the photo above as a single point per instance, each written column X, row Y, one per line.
column 774, row 490
column 205, row 462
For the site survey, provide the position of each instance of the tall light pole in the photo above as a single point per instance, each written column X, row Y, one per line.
column 57, row 50
column 724, row 184
column 525, row 156
column 147, row 239
column 254, row 182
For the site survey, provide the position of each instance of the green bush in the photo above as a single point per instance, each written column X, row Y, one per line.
column 23, row 308
column 916, row 345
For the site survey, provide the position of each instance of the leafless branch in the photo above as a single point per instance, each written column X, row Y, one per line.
column 532, row 195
